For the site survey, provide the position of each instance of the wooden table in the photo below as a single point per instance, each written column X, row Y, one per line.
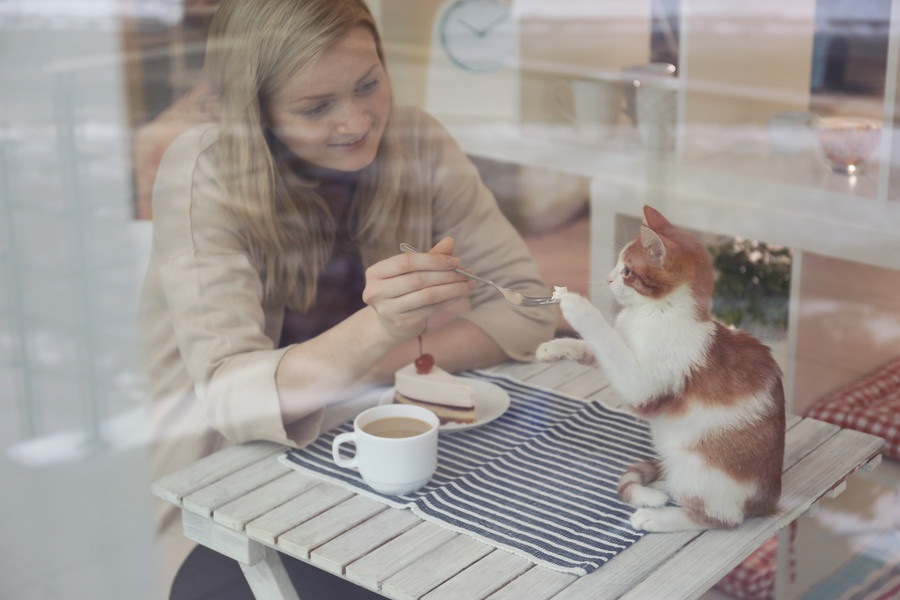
column 245, row 504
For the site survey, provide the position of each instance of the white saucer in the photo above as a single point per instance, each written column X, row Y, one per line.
column 491, row 401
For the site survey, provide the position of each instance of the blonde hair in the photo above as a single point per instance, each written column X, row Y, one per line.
column 254, row 47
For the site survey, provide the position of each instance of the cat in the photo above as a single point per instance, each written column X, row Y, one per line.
column 713, row 396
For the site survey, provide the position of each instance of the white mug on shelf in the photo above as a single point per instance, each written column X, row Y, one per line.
column 643, row 75
column 396, row 447
column 656, row 108
column 591, row 105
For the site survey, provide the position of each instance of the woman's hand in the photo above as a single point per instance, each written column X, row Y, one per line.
column 406, row 289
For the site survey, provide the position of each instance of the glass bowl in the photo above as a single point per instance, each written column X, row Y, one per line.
column 847, row 143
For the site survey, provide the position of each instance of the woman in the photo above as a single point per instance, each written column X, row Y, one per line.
column 275, row 289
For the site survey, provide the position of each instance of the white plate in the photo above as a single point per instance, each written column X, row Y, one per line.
column 491, row 401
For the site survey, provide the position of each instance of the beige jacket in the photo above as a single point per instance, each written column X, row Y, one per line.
column 210, row 341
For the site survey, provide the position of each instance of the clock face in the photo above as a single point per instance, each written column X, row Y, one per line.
column 479, row 35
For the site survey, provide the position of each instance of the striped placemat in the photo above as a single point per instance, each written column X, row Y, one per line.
column 540, row 481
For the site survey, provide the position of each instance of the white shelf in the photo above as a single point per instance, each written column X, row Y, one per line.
column 744, row 190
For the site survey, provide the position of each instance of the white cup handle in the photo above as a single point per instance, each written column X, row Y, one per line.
column 347, row 463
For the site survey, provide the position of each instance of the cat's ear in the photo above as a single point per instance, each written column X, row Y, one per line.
column 654, row 219
column 653, row 246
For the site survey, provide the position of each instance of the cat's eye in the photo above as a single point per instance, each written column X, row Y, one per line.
column 626, row 271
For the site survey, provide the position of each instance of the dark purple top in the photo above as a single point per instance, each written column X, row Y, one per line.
column 341, row 283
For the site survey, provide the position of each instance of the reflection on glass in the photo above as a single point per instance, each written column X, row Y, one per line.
column 850, row 46
column 665, row 38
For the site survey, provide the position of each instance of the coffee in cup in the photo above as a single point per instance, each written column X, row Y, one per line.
column 397, row 427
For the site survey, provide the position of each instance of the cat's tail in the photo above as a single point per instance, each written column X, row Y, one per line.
column 634, row 484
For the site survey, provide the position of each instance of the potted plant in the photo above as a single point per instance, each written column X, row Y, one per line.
column 752, row 287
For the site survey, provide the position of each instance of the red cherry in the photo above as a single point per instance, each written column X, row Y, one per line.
column 424, row 364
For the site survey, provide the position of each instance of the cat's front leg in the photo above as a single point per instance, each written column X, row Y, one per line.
column 612, row 353
column 576, row 314
column 566, row 349
column 582, row 315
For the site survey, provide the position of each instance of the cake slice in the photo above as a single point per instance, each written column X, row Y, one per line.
column 451, row 398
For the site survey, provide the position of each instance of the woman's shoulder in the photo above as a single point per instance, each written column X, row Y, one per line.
column 189, row 156
column 192, row 143
column 188, row 167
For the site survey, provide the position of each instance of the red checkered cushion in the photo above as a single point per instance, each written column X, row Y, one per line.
column 870, row 404
column 754, row 579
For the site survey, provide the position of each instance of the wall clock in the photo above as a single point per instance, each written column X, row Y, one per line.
column 478, row 35
column 473, row 67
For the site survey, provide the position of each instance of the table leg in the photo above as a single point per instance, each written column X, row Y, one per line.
column 260, row 564
column 783, row 567
column 268, row 577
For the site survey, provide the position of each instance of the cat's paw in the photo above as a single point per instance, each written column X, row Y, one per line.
column 642, row 519
column 565, row 349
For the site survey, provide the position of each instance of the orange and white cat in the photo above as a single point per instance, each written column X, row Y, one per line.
column 712, row 396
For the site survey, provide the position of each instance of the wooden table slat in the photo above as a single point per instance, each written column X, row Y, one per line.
column 519, row 370
column 563, row 372
column 374, row 568
column 434, row 568
column 307, row 505
column 805, row 437
column 334, row 555
column 482, row 578
column 209, row 469
column 205, row 500
column 586, row 384
column 535, row 584
column 609, row 398
column 301, row 540
column 715, row 553
column 240, row 511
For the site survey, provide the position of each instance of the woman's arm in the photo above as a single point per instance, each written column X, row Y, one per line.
column 402, row 292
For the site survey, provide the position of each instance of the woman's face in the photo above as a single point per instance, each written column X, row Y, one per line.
column 333, row 113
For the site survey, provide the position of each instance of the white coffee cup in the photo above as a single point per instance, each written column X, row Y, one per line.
column 396, row 447
column 591, row 105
